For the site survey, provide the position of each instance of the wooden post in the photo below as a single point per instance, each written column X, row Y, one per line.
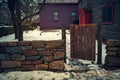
column 64, row 38
column 99, row 57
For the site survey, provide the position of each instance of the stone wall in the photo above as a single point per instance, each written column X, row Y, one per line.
column 32, row 55
column 112, row 60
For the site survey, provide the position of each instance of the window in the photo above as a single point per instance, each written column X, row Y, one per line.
column 55, row 16
column 107, row 14
column 74, row 17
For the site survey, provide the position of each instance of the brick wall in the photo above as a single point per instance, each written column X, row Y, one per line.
column 32, row 55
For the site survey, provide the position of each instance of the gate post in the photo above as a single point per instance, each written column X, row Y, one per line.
column 64, row 39
column 99, row 57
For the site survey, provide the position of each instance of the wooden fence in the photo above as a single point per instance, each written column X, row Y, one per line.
column 83, row 41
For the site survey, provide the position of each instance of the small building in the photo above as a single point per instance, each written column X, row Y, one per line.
column 105, row 12
column 54, row 15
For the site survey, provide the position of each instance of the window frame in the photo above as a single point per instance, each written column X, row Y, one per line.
column 112, row 16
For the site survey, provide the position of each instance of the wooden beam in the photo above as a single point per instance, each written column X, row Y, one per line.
column 99, row 56
column 64, row 38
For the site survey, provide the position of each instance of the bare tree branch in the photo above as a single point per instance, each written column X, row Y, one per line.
column 31, row 15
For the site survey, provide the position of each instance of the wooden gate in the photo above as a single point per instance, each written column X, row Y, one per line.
column 83, row 41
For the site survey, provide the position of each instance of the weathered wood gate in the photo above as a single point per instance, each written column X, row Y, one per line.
column 83, row 41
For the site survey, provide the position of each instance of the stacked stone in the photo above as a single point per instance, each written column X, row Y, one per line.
column 32, row 55
column 112, row 60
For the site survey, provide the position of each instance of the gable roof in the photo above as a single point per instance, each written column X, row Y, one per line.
column 59, row 1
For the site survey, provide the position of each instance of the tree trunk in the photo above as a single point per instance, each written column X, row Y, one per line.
column 15, row 27
column 11, row 6
column 20, row 27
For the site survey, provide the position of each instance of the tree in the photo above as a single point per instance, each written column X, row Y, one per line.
column 16, row 14
column 4, row 13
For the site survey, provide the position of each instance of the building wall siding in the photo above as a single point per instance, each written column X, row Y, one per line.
column 109, row 30
column 46, row 15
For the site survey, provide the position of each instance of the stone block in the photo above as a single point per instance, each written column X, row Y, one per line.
column 4, row 57
column 37, row 62
column 12, row 69
column 48, row 59
column 112, row 53
column 1, row 70
column 26, row 47
column 55, row 44
column 112, row 43
column 3, row 44
column 24, row 43
column 33, row 58
column 39, row 49
column 17, row 57
column 10, row 64
column 112, row 61
column 113, row 49
column 38, row 44
column 2, row 49
column 45, row 53
column 27, row 67
column 12, row 43
column 13, row 50
column 118, row 53
column 58, row 55
column 26, row 62
column 30, row 52
column 111, row 68
column 41, row 67
column 57, row 65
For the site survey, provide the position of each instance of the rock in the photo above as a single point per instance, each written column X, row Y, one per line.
column 30, row 52
column 2, row 49
column 57, row 65
column 45, row 53
column 26, row 62
column 24, row 43
column 67, row 67
column 48, row 59
column 112, row 43
column 27, row 67
column 38, row 44
column 55, row 44
column 41, row 67
column 1, row 70
column 10, row 64
column 4, row 57
column 17, row 57
column 112, row 53
column 93, row 67
column 37, row 62
column 13, row 69
column 26, row 47
column 32, row 58
column 12, row 43
column 113, row 49
column 112, row 61
column 59, row 55
column 3, row 44
column 13, row 50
